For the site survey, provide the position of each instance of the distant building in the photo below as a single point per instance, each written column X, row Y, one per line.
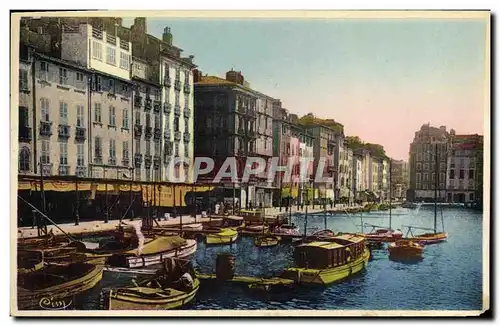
column 399, row 179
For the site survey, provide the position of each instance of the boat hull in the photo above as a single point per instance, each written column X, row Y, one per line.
column 177, row 299
column 155, row 259
column 221, row 238
column 329, row 275
column 431, row 238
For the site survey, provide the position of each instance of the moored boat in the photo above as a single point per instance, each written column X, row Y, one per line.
column 431, row 238
column 325, row 262
column 254, row 229
column 405, row 249
column 223, row 236
column 286, row 230
column 53, row 287
column 267, row 241
column 173, row 287
column 384, row 235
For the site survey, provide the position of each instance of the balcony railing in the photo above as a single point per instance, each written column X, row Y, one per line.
column 63, row 131
column 112, row 161
column 25, row 134
column 177, row 85
column 125, row 161
column 147, row 104
column 177, row 135
column 97, row 33
column 148, row 132
column 98, row 159
column 137, row 131
column 166, row 135
column 80, row 133
column 138, row 101
column 46, row 128
column 167, row 82
column 157, row 106
column 63, row 169
column 177, row 109
column 187, row 112
column 138, row 160
column 157, row 161
column 148, row 160
column 157, row 133
column 124, row 45
column 167, row 107
column 111, row 39
column 81, row 171
column 187, row 89
column 187, row 137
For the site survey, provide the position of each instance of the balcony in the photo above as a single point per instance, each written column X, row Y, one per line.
column 147, row 104
column 25, row 134
column 63, row 131
column 177, row 135
column 167, row 82
column 112, row 161
column 46, row 128
column 157, row 106
column 81, row 171
column 166, row 135
column 98, row 159
column 187, row 137
column 125, row 161
column 148, row 132
column 137, row 160
column 187, row 89
column 63, row 169
column 156, row 161
column 46, row 168
column 177, row 110
column 148, row 160
column 167, row 107
column 80, row 133
column 177, row 85
column 137, row 131
column 157, row 134
column 137, row 101
column 187, row 112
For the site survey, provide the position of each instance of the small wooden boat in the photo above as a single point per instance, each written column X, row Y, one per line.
column 254, row 229
column 169, row 289
column 325, row 262
column 430, row 238
column 409, row 205
column 192, row 227
column 267, row 241
column 53, row 287
column 29, row 261
column 224, row 236
column 404, row 249
column 286, row 230
column 384, row 235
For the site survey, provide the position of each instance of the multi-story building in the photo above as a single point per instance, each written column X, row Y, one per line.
column 375, row 181
column 344, row 165
column 26, row 111
column 463, row 168
column 384, row 171
column 357, row 175
column 424, row 168
column 367, row 168
column 399, row 178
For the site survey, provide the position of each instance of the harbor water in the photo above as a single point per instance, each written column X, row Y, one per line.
column 448, row 278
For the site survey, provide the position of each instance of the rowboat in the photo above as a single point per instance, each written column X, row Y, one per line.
column 254, row 229
column 53, row 287
column 384, row 235
column 286, row 229
column 326, row 262
column 224, row 236
column 267, row 241
column 28, row 261
column 431, row 238
column 167, row 290
column 404, row 249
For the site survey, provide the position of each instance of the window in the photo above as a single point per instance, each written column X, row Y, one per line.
column 137, row 117
column 157, row 148
column 186, row 102
column 157, row 94
column 177, row 101
column 148, row 119
column 112, row 148
column 176, row 149
column 167, row 72
column 433, row 176
column 186, row 77
column 461, row 176
column 79, row 77
column 24, row 159
column 112, row 116
column 186, row 124
column 419, row 166
column 426, row 166
column 471, row 174
column 177, row 73
column 176, row 124
column 125, row 155
column 63, row 76
column 471, row 197
column 452, row 174
column 45, row 154
column 442, row 177
column 44, row 110
column 97, row 50
column 97, row 112
column 148, row 175
column 23, row 79
column 124, row 61
column 23, row 117
column 186, row 151
column 97, row 83
column 111, row 85
column 97, row 147
column 63, row 113
column 137, row 174
column 79, row 116
column 157, row 121
column 125, row 119
column 426, row 177
column 148, row 148
column 63, row 153
column 44, row 68
column 138, row 146
column 80, row 154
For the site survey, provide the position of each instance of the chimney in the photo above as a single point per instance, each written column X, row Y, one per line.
column 167, row 36
column 235, row 77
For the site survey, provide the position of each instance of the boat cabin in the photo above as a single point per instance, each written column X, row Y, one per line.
column 325, row 254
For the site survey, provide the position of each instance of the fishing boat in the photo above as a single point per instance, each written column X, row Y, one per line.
column 267, row 241
column 152, row 253
column 405, row 249
column 29, row 261
column 169, row 289
column 434, row 236
column 53, row 287
column 326, row 262
column 254, row 229
column 286, row 230
column 222, row 236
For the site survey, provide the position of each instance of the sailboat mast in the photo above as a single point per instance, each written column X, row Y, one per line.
column 436, row 187
column 390, row 193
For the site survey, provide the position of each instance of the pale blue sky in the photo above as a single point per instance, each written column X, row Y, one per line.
column 381, row 78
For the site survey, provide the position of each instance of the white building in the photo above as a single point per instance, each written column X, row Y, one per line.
column 461, row 174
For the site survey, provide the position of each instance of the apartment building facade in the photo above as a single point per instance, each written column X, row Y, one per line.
column 26, row 137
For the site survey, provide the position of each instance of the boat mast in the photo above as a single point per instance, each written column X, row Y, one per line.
column 390, row 193
column 436, row 187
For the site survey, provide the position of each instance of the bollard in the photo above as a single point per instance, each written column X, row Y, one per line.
column 224, row 269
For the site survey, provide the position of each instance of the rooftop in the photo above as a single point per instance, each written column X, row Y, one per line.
column 322, row 244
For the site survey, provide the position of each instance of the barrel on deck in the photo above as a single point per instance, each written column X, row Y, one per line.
column 224, row 268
